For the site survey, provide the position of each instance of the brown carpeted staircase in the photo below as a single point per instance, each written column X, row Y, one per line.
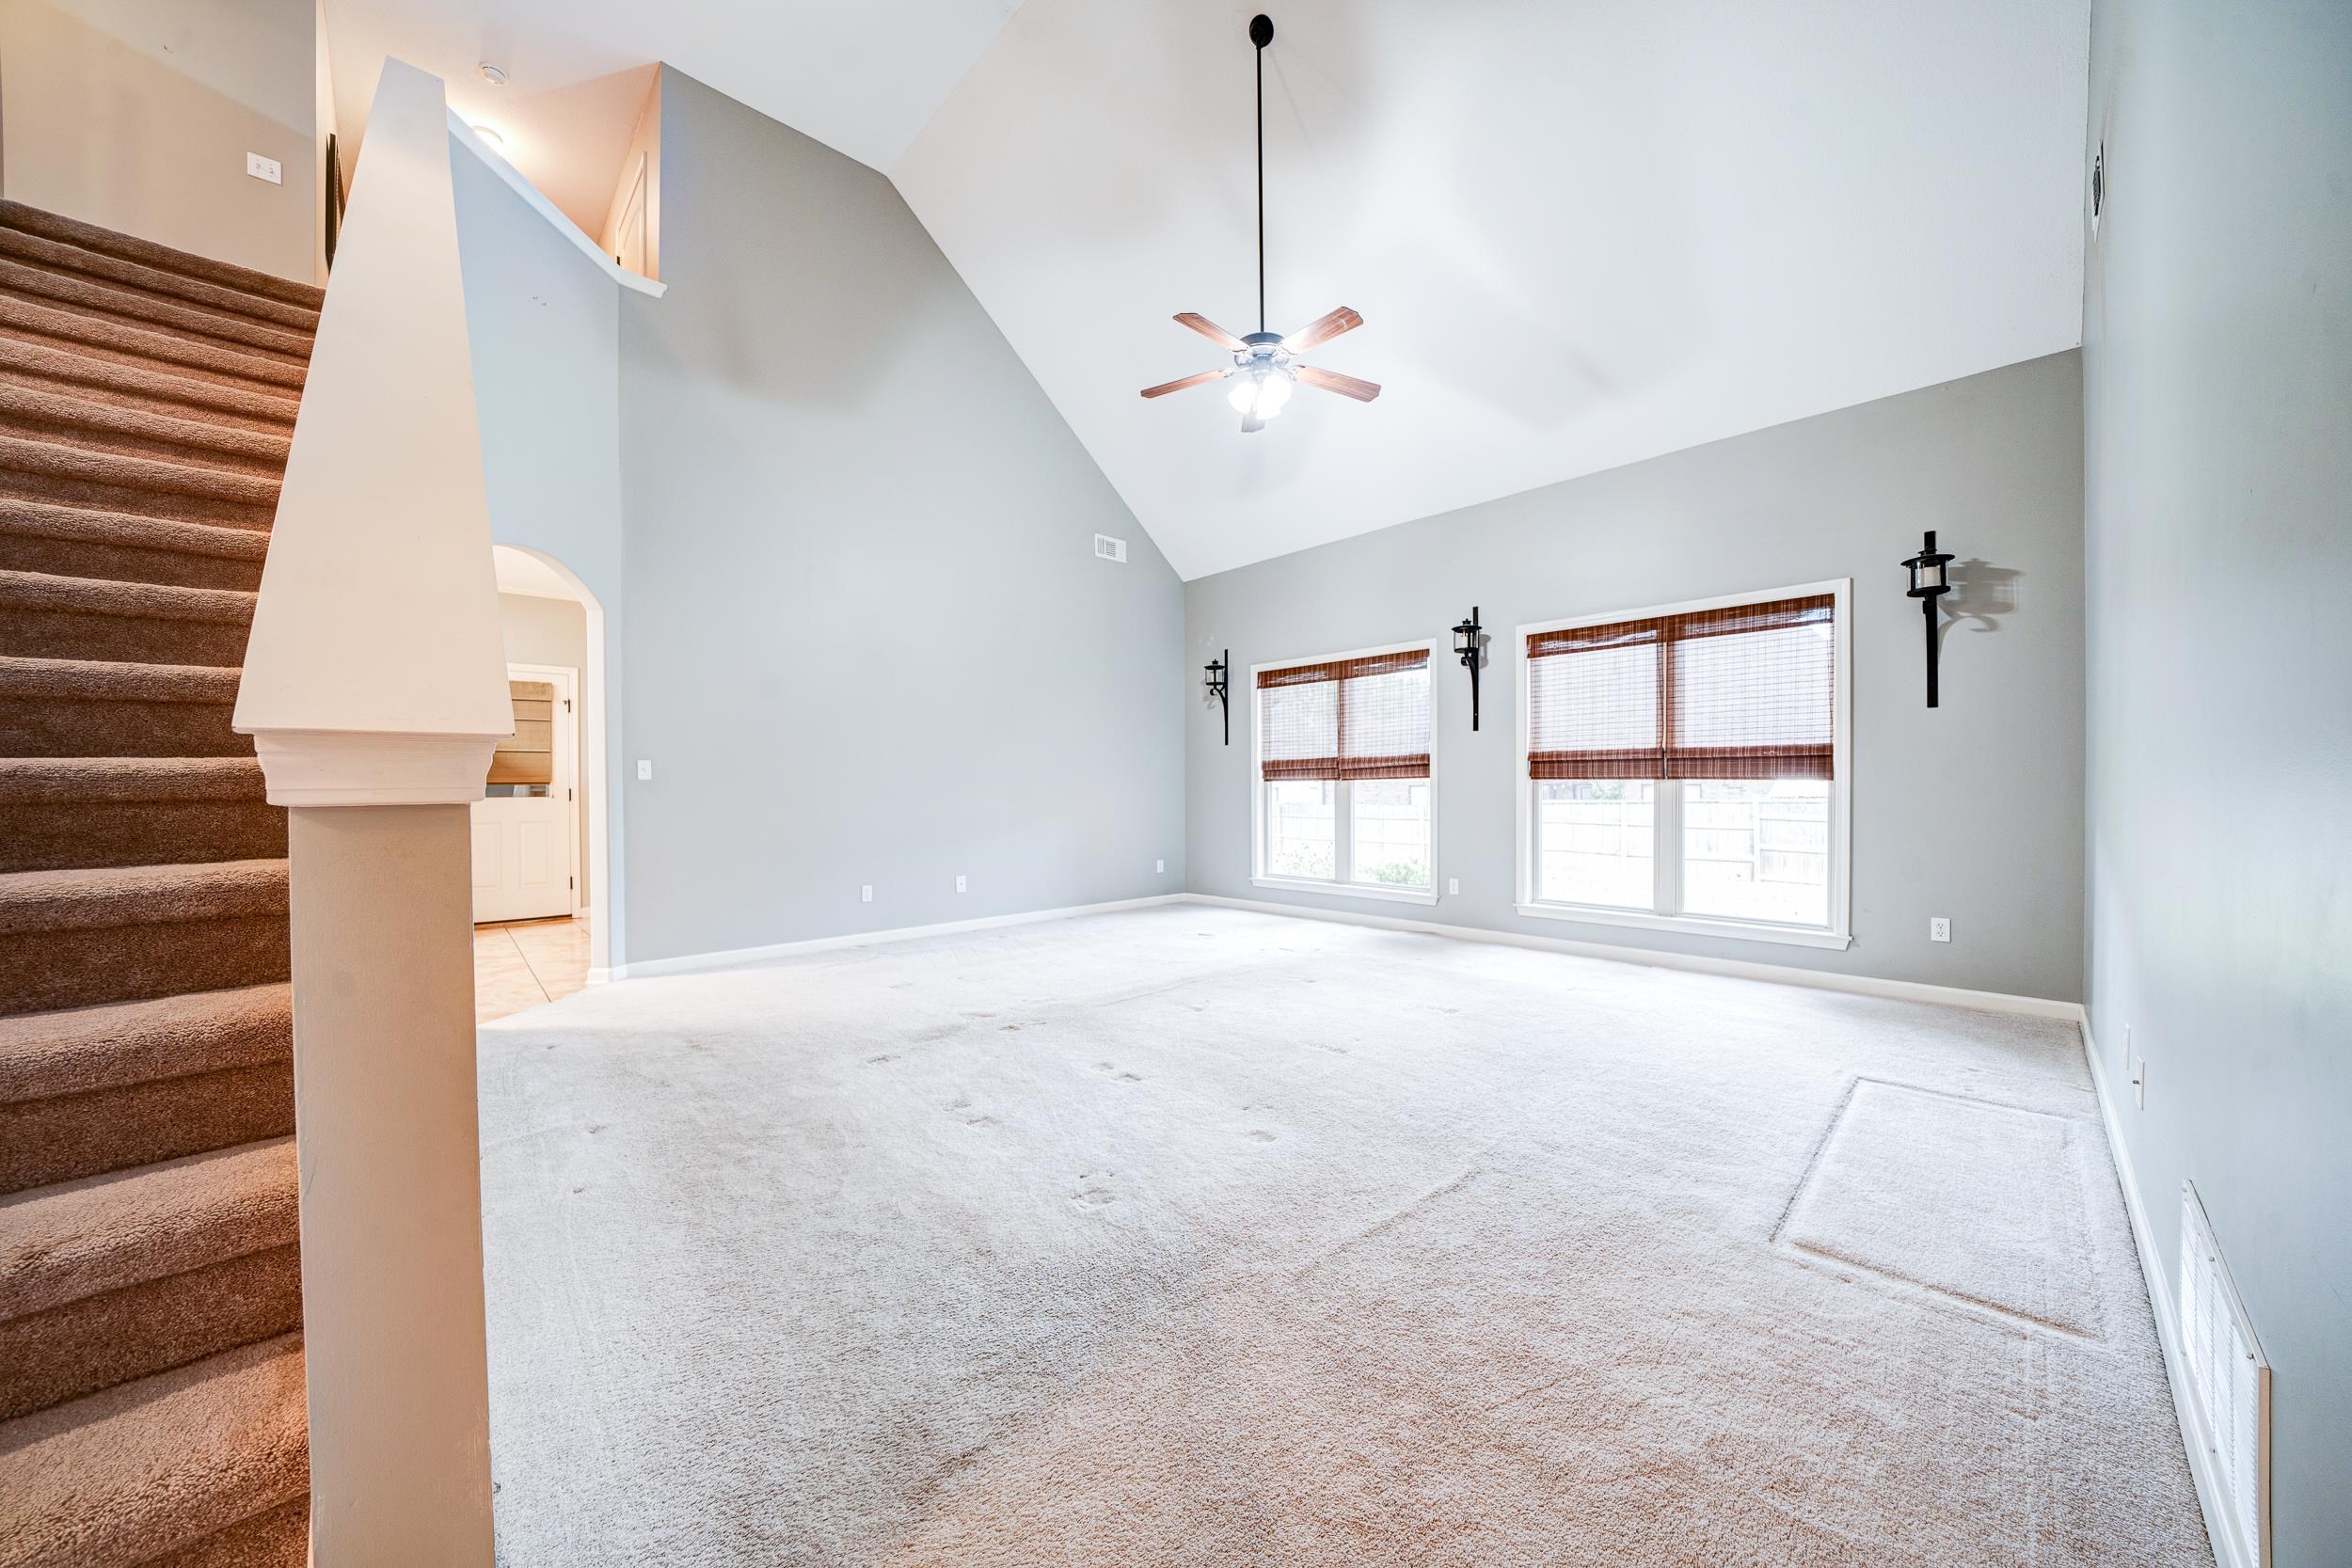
column 150, row 1308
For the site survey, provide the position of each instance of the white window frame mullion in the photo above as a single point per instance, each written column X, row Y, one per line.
column 1665, row 848
column 1342, row 832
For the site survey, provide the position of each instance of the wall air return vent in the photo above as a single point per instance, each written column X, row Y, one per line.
column 2229, row 1385
column 1108, row 548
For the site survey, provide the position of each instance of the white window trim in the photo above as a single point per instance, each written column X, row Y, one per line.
column 1342, row 829
column 1838, row 933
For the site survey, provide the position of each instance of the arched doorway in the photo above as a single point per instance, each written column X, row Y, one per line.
column 544, row 835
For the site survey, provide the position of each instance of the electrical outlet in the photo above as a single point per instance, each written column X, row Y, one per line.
column 1452, row 886
column 2139, row 1083
column 1160, row 866
column 1939, row 928
column 959, row 884
column 265, row 169
column 866, row 893
column 645, row 769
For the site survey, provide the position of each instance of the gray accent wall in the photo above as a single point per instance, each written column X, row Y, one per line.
column 1973, row 811
column 867, row 642
column 545, row 329
column 2217, row 380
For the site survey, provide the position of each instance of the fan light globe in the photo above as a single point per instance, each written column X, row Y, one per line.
column 1260, row 391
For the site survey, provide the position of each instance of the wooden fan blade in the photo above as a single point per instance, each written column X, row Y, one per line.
column 1332, row 381
column 1167, row 386
column 1210, row 330
column 1321, row 330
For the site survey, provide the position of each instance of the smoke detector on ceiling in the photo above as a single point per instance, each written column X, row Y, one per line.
column 492, row 74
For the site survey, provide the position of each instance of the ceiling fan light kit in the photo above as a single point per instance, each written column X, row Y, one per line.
column 1266, row 369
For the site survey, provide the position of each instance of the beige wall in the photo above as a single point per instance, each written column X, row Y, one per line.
column 644, row 144
column 555, row 631
column 322, row 127
column 138, row 114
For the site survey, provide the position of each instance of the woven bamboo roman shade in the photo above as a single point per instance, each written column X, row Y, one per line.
column 1348, row 719
column 528, row 755
column 1745, row 692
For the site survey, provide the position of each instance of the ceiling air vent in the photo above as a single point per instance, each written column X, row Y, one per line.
column 1108, row 548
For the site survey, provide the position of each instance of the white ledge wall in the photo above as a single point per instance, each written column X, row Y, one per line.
column 1973, row 811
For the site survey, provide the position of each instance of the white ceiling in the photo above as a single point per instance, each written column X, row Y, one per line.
column 1581, row 232
column 859, row 75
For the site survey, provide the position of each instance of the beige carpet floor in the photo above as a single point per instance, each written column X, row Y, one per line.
column 1195, row 1237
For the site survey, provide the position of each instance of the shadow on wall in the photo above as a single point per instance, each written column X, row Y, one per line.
column 1982, row 595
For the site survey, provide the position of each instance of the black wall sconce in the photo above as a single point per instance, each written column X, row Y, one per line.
column 1929, row 583
column 1214, row 682
column 1465, row 643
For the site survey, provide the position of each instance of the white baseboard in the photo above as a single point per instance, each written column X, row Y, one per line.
column 1787, row 974
column 2211, row 1495
column 694, row 962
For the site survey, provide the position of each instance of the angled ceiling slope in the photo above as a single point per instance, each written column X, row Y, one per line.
column 862, row 78
column 1580, row 233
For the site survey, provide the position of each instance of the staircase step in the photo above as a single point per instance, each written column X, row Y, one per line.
column 266, row 408
column 59, row 257
column 95, row 1089
column 111, row 426
column 82, row 542
column 119, row 470
column 64, row 708
column 89, row 295
column 126, row 1476
column 62, row 812
column 54, row 617
column 146, row 253
column 138, row 346
column 120, row 1276
column 79, row 939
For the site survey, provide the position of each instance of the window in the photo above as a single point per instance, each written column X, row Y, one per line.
column 1686, row 767
column 1343, row 785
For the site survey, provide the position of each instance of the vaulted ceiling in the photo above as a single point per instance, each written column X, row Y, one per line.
column 1581, row 232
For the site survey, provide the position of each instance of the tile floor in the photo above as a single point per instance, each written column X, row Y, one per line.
column 525, row 963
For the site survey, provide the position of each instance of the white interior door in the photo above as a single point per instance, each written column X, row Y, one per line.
column 524, row 836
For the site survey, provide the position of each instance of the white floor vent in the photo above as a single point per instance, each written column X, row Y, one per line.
column 2230, row 1390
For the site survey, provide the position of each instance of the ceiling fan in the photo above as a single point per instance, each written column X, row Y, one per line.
column 1265, row 366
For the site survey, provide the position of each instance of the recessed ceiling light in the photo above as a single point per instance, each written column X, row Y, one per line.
column 490, row 135
column 493, row 75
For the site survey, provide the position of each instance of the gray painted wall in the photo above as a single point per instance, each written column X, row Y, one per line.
column 868, row 639
column 1972, row 811
column 545, row 331
column 2218, row 358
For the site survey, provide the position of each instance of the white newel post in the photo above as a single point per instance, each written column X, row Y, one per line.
column 374, row 688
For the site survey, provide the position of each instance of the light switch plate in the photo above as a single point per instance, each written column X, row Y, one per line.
column 1160, row 866
column 265, row 169
column 645, row 767
column 866, row 893
column 1453, row 887
column 959, row 884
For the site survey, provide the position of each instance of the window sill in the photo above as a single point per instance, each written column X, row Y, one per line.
column 1691, row 925
column 1347, row 889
